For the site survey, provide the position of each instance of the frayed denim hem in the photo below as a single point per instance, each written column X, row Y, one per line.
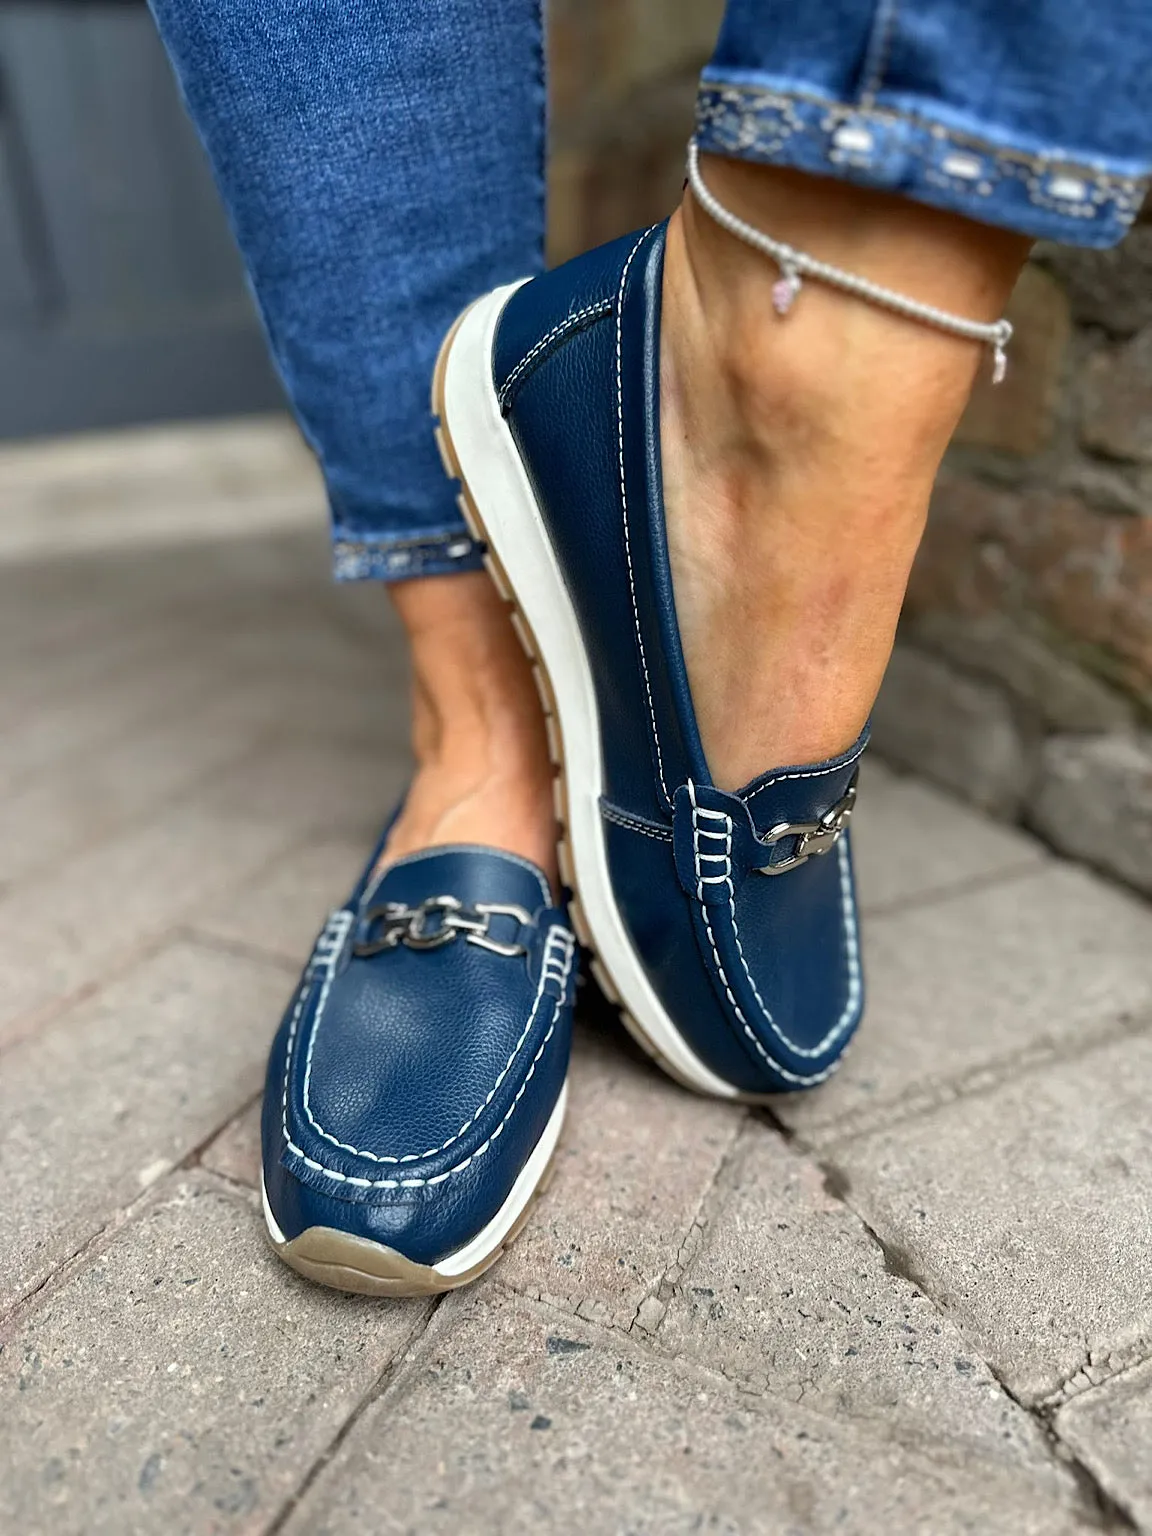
column 356, row 558
column 896, row 148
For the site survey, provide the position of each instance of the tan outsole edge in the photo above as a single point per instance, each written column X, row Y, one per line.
column 527, row 639
column 357, row 1264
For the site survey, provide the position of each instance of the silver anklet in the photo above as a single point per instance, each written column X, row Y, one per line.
column 795, row 265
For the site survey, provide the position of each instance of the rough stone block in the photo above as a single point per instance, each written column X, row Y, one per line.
column 789, row 1294
column 1016, row 415
column 1109, row 488
column 1043, row 681
column 1117, row 410
column 103, row 1102
column 958, row 731
column 911, row 842
column 1111, row 289
column 1110, row 1430
column 960, row 988
column 1043, row 559
column 636, row 1160
column 1094, row 802
column 183, row 1381
column 543, row 1422
column 1024, row 1213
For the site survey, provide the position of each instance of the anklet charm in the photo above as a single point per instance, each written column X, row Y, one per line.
column 784, row 292
column 795, row 265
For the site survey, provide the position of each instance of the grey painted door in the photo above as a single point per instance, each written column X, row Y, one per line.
column 122, row 298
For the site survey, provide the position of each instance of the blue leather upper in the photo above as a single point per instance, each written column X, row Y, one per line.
column 760, row 974
column 407, row 1087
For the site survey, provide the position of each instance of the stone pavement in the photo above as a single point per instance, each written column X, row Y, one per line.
column 917, row 1301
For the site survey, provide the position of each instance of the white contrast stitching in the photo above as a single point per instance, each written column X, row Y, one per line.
column 609, row 813
column 809, row 773
column 879, row 50
column 624, row 504
column 853, row 947
column 601, row 307
column 551, row 969
column 331, row 942
column 345, row 1178
column 556, row 936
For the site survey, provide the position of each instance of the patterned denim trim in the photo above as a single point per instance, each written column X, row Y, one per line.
column 391, row 559
column 1045, row 195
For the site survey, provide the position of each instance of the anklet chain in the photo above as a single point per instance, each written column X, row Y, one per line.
column 795, row 265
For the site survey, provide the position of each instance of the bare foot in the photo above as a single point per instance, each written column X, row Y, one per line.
column 483, row 772
column 799, row 452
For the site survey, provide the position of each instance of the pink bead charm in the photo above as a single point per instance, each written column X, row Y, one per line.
column 784, row 293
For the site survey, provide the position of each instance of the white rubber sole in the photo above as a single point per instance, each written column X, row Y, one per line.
column 357, row 1264
column 499, row 506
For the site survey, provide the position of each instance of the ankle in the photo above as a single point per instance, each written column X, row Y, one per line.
column 475, row 709
column 483, row 770
column 800, row 450
column 837, row 367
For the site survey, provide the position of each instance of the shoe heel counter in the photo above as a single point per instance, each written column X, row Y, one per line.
column 546, row 312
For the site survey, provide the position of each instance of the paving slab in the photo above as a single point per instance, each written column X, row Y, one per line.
column 183, row 1381
column 189, row 626
column 512, row 1417
column 184, row 609
column 92, row 795
column 978, row 983
column 1024, row 1213
column 235, row 1152
column 1110, row 1430
column 787, row 1293
column 150, row 467
column 45, row 730
column 57, row 935
column 913, row 842
column 101, row 1103
column 637, row 1158
column 283, row 909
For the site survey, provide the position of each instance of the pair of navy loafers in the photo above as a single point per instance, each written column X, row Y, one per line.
column 417, row 1085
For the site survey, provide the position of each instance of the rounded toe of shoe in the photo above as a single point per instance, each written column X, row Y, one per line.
column 427, row 1239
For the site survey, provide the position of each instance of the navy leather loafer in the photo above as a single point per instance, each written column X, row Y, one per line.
column 724, row 924
column 416, row 1087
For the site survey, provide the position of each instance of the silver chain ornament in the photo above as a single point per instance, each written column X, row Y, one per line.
column 436, row 921
column 813, row 838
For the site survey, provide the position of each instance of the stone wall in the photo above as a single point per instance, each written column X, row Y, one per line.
column 623, row 83
column 1023, row 675
column 1023, row 678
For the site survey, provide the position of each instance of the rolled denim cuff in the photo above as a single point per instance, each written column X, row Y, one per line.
column 901, row 147
column 446, row 552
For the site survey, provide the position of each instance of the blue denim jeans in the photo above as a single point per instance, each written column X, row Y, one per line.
column 382, row 164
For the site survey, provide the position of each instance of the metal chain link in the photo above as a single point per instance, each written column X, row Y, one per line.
column 813, row 838
column 436, row 921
